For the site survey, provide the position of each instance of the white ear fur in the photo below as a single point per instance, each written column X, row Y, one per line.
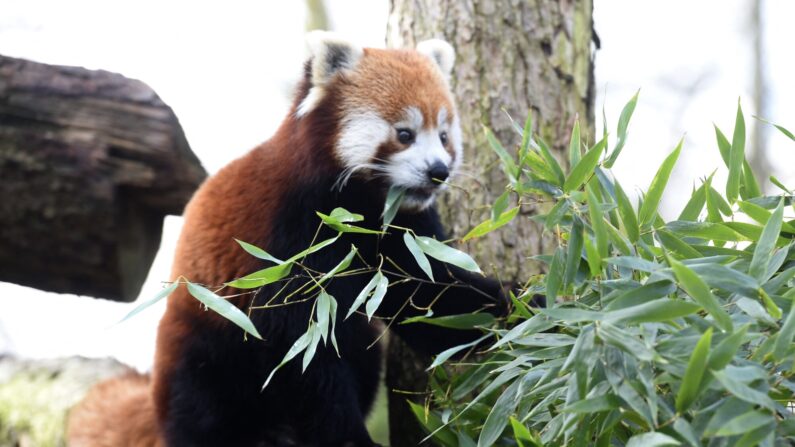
column 440, row 52
column 331, row 54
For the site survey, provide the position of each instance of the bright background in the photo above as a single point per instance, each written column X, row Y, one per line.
column 228, row 70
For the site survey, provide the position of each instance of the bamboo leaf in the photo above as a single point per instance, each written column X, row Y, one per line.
column 166, row 291
column 378, row 295
column 418, row 255
column 394, row 197
column 623, row 125
column 445, row 253
column 767, row 242
column 574, row 144
column 628, row 217
column 736, row 157
column 223, row 308
column 698, row 289
column 652, row 200
column 365, row 292
column 489, row 225
column 584, row 168
column 258, row 252
column 691, row 381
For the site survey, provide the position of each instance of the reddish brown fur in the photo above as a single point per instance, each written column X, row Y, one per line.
column 237, row 203
column 117, row 412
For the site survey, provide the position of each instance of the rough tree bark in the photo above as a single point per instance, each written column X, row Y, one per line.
column 513, row 57
column 90, row 163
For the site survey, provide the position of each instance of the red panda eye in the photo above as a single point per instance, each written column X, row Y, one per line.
column 443, row 137
column 405, row 136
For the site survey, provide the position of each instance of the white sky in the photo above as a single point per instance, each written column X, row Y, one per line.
column 227, row 69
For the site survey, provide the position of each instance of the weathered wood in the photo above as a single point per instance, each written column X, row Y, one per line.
column 90, row 163
column 512, row 57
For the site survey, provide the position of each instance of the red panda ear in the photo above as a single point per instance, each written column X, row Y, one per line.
column 440, row 52
column 331, row 54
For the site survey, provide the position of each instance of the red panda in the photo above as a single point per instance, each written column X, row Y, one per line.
column 363, row 120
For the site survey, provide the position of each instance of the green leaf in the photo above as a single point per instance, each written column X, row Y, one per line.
column 499, row 205
column 364, row 294
column 314, row 248
column 743, row 391
column 258, row 252
column 223, row 308
column 643, row 294
column 166, row 291
column 522, row 434
column 556, row 213
column 345, row 216
column 497, row 419
column 676, row 245
column 623, row 124
column 784, row 340
column 419, row 256
column 594, row 404
column 551, row 161
column 574, row 144
column 770, row 306
column 653, row 439
column 378, row 295
column 573, row 253
column 767, row 242
column 584, row 168
column 736, row 157
column 300, row 344
column 663, row 309
column 344, row 264
column 309, row 352
column 745, row 423
column 394, row 197
column 628, row 217
column 343, row 227
column 571, row 314
column 322, row 308
column 489, row 225
column 433, row 424
column 781, row 129
column 592, row 256
column 724, row 352
column 554, row 277
column 704, row 230
column 652, row 200
column 694, row 206
column 444, row 253
column 715, row 197
column 262, row 277
column 691, row 381
column 527, row 137
column 597, row 222
column 627, row 343
column 762, row 215
column 447, row 353
column 698, row 289
column 460, row 321
column 333, row 314
column 508, row 163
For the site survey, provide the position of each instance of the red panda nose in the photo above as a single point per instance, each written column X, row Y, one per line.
column 438, row 172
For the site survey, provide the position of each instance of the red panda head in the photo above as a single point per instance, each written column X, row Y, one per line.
column 398, row 123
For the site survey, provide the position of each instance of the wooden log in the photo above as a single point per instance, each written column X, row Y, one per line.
column 90, row 163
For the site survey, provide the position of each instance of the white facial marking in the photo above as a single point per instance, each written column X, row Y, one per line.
column 361, row 134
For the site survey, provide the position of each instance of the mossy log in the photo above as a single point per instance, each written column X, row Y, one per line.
column 90, row 163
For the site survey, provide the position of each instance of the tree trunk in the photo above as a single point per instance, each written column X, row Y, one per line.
column 513, row 57
column 90, row 163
